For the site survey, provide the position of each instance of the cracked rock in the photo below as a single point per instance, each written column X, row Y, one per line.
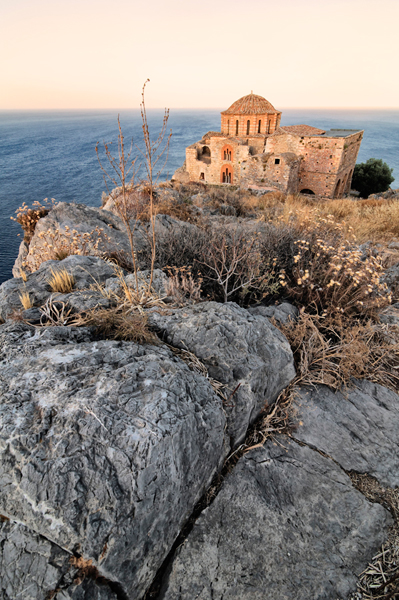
column 287, row 523
column 105, row 447
column 359, row 430
column 238, row 349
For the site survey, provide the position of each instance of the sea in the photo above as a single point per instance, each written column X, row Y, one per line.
column 51, row 154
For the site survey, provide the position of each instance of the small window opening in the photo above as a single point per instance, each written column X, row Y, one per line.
column 236, row 127
column 268, row 129
column 276, row 161
column 248, row 126
column 202, row 176
column 228, row 127
column 259, row 126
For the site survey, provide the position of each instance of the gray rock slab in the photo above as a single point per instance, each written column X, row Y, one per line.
column 105, row 447
column 359, row 429
column 103, row 227
column 390, row 315
column 282, row 312
column 287, row 524
column 86, row 270
column 33, row 568
column 238, row 349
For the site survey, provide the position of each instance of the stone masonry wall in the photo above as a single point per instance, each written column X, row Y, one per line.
column 269, row 124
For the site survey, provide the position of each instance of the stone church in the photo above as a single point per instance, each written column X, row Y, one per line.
column 253, row 150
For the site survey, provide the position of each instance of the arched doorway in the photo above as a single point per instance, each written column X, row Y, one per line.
column 226, row 174
column 206, row 151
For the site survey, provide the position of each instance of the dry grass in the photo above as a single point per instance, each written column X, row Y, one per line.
column 26, row 300
column 182, row 286
column 380, row 580
column 61, row 281
column 332, row 351
column 117, row 323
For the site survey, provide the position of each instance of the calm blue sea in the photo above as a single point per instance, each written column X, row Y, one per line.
column 51, row 154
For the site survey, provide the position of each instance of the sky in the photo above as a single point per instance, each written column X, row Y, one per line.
column 87, row 54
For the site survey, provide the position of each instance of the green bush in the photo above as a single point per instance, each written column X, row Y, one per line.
column 372, row 177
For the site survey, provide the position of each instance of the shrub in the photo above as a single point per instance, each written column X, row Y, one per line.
column 336, row 277
column 372, row 177
column 28, row 217
column 118, row 323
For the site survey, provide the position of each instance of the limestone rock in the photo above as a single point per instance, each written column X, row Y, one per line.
column 244, row 352
column 282, row 312
column 390, row 314
column 86, row 270
column 286, row 524
column 359, row 430
column 105, row 448
column 103, row 226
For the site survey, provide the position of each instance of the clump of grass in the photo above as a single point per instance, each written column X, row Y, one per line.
column 26, row 300
column 331, row 350
column 118, row 323
column 61, row 281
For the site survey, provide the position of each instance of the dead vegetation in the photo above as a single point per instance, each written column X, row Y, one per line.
column 380, row 579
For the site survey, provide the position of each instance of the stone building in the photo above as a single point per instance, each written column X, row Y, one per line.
column 253, row 150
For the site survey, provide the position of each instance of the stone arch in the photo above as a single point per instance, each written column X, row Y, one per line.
column 349, row 182
column 206, row 151
column 337, row 189
column 226, row 153
column 226, row 174
column 307, row 191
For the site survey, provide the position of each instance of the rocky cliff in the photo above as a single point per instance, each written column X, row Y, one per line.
column 126, row 470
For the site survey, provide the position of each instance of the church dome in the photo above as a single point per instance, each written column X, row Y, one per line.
column 250, row 105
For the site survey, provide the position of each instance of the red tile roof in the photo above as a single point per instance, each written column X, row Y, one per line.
column 302, row 130
column 250, row 105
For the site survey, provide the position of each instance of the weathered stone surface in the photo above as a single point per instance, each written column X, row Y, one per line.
column 390, row 314
column 282, row 312
column 82, row 301
column 33, row 568
column 287, row 524
column 87, row 271
column 20, row 260
column 159, row 282
column 359, row 430
column 105, row 446
column 101, row 224
column 238, row 349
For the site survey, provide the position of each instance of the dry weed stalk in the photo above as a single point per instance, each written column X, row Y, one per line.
column 117, row 323
column 122, row 174
column 55, row 313
column 154, row 151
column 182, row 286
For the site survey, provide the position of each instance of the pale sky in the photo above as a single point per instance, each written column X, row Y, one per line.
column 202, row 54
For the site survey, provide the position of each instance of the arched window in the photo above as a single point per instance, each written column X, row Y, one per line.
column 259, row 125
column 248, row 126
column 268, row 127
column 228, row 127
column 236, row 127
column 226, row 175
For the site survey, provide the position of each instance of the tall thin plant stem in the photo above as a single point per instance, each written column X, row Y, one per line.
column 154, row 151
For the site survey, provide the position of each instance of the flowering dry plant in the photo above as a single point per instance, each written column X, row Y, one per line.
column 28, row 217
column 336, row 278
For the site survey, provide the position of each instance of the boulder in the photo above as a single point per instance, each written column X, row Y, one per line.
column 86, row 270
column 245, row 352
column 287, row 523
column 282, row 313
column 97, row 231
column 358, row 429
column 105, row 449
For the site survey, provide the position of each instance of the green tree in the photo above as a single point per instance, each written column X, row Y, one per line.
column 372, row 177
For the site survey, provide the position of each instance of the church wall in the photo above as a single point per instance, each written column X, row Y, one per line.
column 269, row 123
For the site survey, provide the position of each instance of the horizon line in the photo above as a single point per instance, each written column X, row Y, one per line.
column 206, row 108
